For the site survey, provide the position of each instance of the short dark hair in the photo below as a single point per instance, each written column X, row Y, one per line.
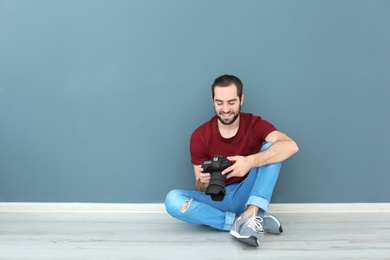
column 227, row 80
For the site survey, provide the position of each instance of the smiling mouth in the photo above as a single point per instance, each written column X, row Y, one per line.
column 226, row 116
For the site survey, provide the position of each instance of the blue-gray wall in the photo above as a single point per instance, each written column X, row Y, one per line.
column 98, row 99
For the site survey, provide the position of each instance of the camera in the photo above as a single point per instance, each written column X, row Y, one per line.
column 215, row 166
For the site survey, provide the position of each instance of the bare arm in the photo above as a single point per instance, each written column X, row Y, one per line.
column 282, row 148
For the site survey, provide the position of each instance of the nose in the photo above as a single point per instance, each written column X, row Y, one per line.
column 225, row 108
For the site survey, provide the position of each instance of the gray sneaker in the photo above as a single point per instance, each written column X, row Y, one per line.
column 245, row 229
column 271, row 225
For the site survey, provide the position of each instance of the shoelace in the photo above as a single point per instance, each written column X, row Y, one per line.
column 255, row 223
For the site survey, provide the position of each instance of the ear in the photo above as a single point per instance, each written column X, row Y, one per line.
column 242, row 99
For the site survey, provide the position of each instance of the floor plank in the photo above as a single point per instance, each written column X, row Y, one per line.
column 158, row 236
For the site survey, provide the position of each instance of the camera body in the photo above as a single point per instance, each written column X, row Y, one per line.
column 215, row 166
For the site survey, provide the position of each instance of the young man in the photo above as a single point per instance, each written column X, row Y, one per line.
column 256, row 150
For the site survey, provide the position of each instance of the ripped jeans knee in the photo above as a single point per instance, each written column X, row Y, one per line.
column 176, row 203
column 185, row 206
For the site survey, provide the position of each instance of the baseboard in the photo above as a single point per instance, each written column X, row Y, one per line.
column 159, row 207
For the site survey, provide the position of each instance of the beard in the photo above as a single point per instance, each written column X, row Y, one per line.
column 228, row 121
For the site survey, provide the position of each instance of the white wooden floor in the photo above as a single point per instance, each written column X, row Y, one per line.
column 158, row 236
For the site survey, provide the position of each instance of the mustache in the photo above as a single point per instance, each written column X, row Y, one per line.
column 226, row 113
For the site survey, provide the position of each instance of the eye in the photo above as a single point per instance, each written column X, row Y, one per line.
column 232, row 103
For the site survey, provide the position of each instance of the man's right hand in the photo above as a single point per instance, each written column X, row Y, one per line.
column 201, row 179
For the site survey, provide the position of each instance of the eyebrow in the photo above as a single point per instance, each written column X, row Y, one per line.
column 218, row 100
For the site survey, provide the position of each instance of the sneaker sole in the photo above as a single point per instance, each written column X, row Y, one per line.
column 249, row 240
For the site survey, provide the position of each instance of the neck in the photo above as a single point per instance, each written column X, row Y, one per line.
column 228, row 131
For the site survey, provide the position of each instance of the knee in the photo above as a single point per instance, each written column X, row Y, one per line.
column 173, row 202
column 177, row 203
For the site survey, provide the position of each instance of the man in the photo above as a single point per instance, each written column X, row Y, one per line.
column 251, row 178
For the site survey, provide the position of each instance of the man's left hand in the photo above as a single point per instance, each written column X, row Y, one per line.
column 241, row 166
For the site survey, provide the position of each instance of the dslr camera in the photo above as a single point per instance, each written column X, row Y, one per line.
column 215, row 166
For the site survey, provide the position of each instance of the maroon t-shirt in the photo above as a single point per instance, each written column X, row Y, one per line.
column 206, row 141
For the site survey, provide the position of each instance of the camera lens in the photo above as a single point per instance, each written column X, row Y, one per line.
column 216, row 188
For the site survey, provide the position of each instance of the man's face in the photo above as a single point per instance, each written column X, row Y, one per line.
column 227, row 104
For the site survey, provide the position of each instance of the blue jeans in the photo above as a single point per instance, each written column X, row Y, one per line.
column 256, row 189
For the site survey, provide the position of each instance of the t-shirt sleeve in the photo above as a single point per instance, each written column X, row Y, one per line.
column 263, row 128
column 198, row 147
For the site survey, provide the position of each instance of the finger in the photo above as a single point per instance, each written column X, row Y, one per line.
column 205, row 176
column 232, row 158
column 227, row 170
